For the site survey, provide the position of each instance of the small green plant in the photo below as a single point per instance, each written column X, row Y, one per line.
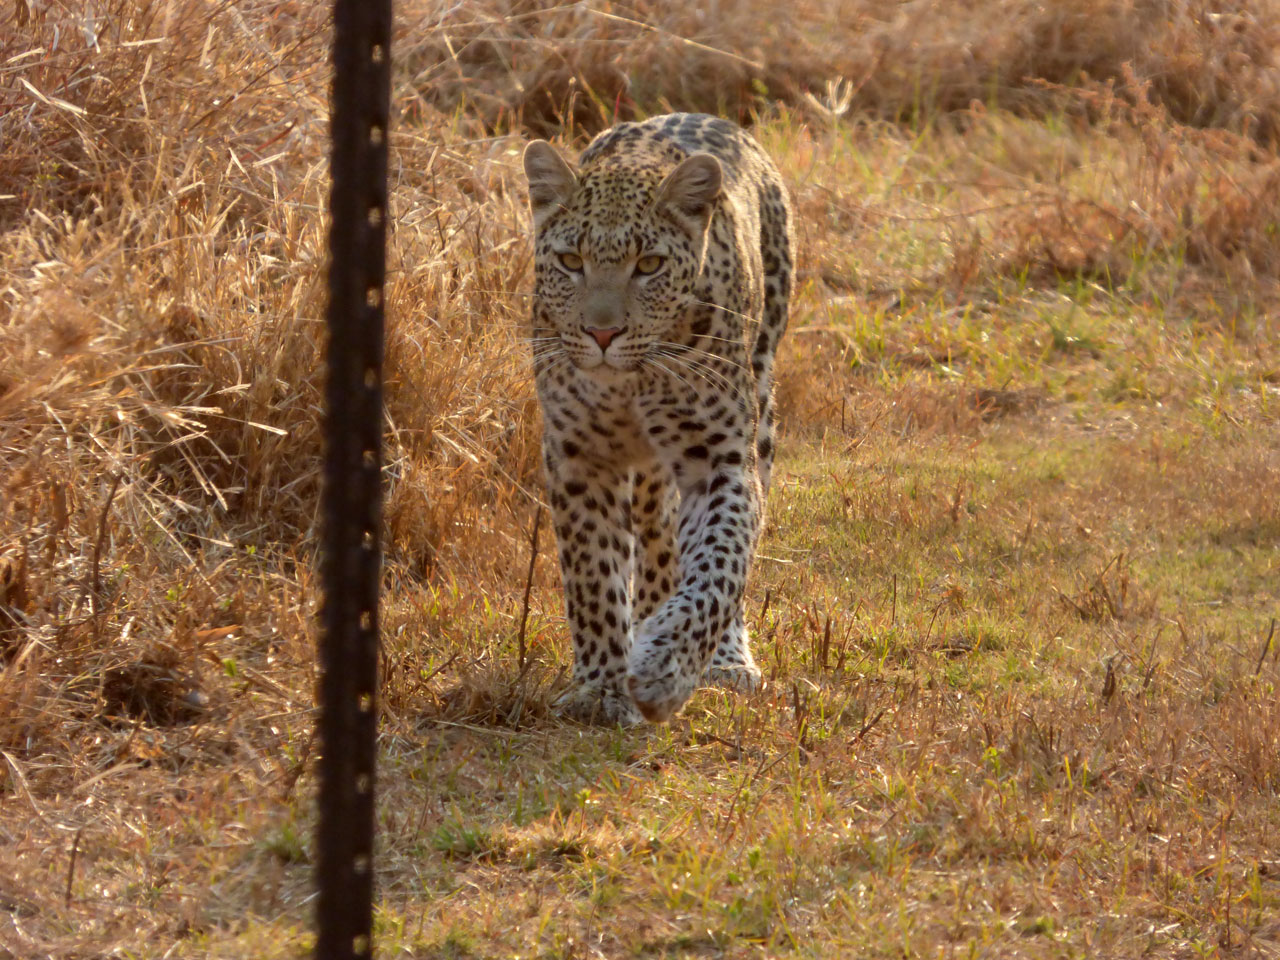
column 464, row 841
column 286, row 844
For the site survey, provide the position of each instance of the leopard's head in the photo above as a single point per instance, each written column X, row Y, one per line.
column 619, row 248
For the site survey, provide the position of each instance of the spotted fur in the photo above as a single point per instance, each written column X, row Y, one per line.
column 663, row 276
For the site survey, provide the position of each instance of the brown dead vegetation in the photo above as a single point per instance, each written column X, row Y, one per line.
column 556, row 67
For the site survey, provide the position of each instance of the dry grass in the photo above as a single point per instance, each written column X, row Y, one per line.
column 555, row 66
column 1020, row 568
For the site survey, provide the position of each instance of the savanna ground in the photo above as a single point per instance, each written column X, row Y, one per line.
column 1016, row 594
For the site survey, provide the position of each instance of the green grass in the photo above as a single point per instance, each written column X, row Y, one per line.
column 1013, row 701
column 936, row 765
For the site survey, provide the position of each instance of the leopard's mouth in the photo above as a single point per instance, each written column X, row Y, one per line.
column 602, row 364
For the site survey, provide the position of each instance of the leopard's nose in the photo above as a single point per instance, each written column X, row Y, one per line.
column 604, row 335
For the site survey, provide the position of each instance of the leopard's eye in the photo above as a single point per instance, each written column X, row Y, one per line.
column 571, row 262
column 650, row 264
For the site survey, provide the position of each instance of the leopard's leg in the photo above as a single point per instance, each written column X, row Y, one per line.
column 591, row 507
column 655, row 506
column 732, row 664
column 719, row 521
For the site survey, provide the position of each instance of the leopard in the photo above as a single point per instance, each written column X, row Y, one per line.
column 662, row 286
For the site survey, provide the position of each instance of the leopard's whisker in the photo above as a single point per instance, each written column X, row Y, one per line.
column 684, row 349
column 546, row 361
column 671, row 372
column 725, row 382
column 732, row 313
column 706, row 336
column 696, row 372
column 703, row 370
column 712, row 336
column 689, row 348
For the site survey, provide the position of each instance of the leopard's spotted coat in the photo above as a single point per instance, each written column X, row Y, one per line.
column 663, row 276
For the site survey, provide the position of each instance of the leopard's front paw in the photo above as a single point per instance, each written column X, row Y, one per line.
column 597, row 705
column 660, row 697
column 742, row 678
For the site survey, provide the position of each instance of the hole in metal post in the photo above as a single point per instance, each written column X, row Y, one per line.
column 375, row 216
column 373, row 296
column 376, row 134
column 366, row 620
column 377, row 54
column 366, row 702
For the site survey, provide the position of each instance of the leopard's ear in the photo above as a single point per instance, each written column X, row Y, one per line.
column 690, row 191
column 551, row 180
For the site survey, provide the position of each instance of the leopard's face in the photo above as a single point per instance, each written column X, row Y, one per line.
column 618, row 255
column 614, row 294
